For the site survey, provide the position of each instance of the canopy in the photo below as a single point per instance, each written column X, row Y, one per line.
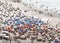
column 18, row 22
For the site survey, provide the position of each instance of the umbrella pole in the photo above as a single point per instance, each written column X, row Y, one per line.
column 32, row 41
column 10, row 39
column 3, row 41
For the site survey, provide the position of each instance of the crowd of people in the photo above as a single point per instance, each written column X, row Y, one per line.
column 14, row 21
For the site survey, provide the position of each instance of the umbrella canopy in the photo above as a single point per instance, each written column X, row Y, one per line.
column 18, row 22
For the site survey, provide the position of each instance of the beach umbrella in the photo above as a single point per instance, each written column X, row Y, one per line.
column 18, row 22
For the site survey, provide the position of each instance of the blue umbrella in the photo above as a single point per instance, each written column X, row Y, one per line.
column 28, row 21
column 16, row 18
column 18, row 22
